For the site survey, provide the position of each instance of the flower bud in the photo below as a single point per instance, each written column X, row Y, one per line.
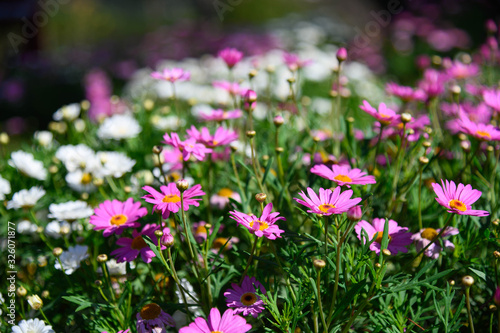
column 57, row 251
column 45, row 294
column 4, row 138
column 251, row 134
column 465, row 145
column 354, row 214
column 495, row 222
column 342, row 54
column 423, row 160
column 167, row 239
column 98, row 283
column 462, row 137
column 455, row 89
column 270, row 69
column 53, row 169
column 261, row 197
column 319, row 263
column 21, row 291
column 377, row 265
column 496, row 297
column 386, row 252
column 496, row 254
column 406, row 117
column 279, row 150
column 350, row 119
column 291, row 80
column 35, row 302
column 493, row 308
column 278, row 121
column 250, row 96
column 158, row 233
column 452, row 282
column 102, row 258
column 491, row 27
column 252, row 73
column 182, row 185
column 148, row 105
column 468, row 281
column 426, row 144
column 157, row 149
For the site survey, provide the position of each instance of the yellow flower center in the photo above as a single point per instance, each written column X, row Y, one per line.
column 458, row 205
column 379, row 235
column 429, row 233
column 225, row 192
column 262, row 225
column 248, row 299
column 216, row 332
column 138, row 243
column 201, row 230
column 171, row 198
column 118, row 219
column 484, row 134
column 219, row 242
column 150, row 311
column 325, row 207
column 343, row 178
column 86, row 178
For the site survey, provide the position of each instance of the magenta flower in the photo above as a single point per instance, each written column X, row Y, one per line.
column 244, row 298
column 229, row 323
column 399, row 237
column 152, row 318
column 492, row 99
column 172, row 75
column 114, row 216
column 263, row 226
column 173, row 157
column 485, row 132
column 459, row 70
column 329, row 202
column 426, row 236
column 188, row 147
column 220, row 115
column 221, row 136
column 294, row 62
column 169, row 199
column 221, row 198
column 232, row 88
column 433, row 83
column 459, row 199
column 384, row 115
column 406, row 94
column 343, row 175
column 132, row 247
column 230, row 56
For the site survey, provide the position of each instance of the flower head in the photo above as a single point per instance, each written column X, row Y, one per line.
column 384, row 115
column 329, row 202
column 221, row 198
column 343, row 175
column 132, row 247
column 244, row 298
column 406, row 94
column 188, row 147
column 399, row 237
column 458, row 199
column 32, row 326
column 114, row 216
column 230, row 56
column 169, row 199
column 70, row 211
column 26, row 198
column 152, row 318
column 221, row 136
column 427, row 235
column 71, row 258
column 263, row 226
column 4, row 188
column 294, row 62
column 27, row 165
column 228, row 323
column 172, row 75
column 492, row 99
column 484, row 132
column 118, row 127
column 220, row 115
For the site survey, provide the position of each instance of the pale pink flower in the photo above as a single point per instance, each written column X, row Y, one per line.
column 172, row 75
column 343, row 175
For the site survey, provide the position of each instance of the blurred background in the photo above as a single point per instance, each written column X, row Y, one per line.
column 51, row 49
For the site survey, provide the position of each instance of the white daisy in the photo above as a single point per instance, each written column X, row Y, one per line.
column 114, row 269
column 68, row 112
column 32, row 326
column 119, row 126
column 26, row 227
column 168, row 123
column 70, row 211
column 56, row 229
column 80, row 181
column 27, row 165
column 4, row 188
column 44, row 138
column 114, row 163
column 26, row 198
column 71, row 258
column 78, row 157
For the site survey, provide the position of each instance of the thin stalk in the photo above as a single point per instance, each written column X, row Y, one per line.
column 108, row 280
column 320, row 305
column 289, row 286
column 188, row 239
column 103, row 295
column 398, row 164
column 469, row 313
column 161, row 169
column 254, row 165
column 250, row 259
column 420, row 198
column 377, row 147
column 235, row 170
column 45, row 317
column 176, row 278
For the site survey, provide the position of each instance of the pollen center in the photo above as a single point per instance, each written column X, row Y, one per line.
column 379, row 235
column 219, row 242
column 171, row 198
column 429, row 233
column 262, row 225
column 86, row 178
column 343, row 178
column 225, row 192
column 325, row 207
column 248, row 299
column 484, row 134
column 118, row 219
column 458, row 205
column 138, row 243
column 150, row 311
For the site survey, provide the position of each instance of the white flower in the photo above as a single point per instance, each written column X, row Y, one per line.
column 26, row 164
column 71, row 258
column 119, row 126
column 78, row 157
column 54, row 229
column 80, row 181
column 32, row 326
column 4, row 188
column 70, row 211
column 114, row 269
column 115, row 164
column 44, row 138
column 26, row 227
column 169, row 123
column 68, row 112
column 26, row 198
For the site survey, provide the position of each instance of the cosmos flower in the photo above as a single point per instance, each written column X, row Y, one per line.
column 114, row 216
column 70, row 211
column 329, row 202
column 152, row 318
column 406, row 94
column 32, row 326
column 130, row 248
column 484, row 132
column 220, row 115
column 118, row 127
column 459, row 70
column 27, row 165
column 4, row 188
column 244, row 298
column 232, row 88
column 384, row 115
column 172, row 75
column 343, row 175
column 67, row 112
column 44, row 138
column 114, row 164
column 427, row 235
column 228, row 323
column 221, row 198
column 294, row 62
column 221, row 136
column 263, row 226
column 169, row 200
column 433, row 83
column 399, row 237
column 492, row 99
column 188, row 147
column 26, row 198
column 230, row 56
column 459, row 199
column 71, row 258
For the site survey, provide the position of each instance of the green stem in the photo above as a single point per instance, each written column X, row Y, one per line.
column 235, row 170
column 289, row 286
column 420, row 199
column 377, row 147
column 249, row 261
column 188, row 238
column 254, row 165
column 45, row 317
column 469, row 312
column 176, row 279
column 320, row 305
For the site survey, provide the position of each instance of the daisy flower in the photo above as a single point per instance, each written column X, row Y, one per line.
column 229, row 323
column 44, row 138
column 118, row 127
column 406, row 94
column 230, row 56
column 77, row 157
column 343, row 175
column 384, row 115
column 26, row 198
column 4, row 188
column 492, row 99
column 188, row 147
column 220, row 115
column 152, row 318
column 427, row 235
column 114, row 268
column 263, row 226
column 232, row 88
column 71, row 259
column 399, row 237
column 56, row 229
column 114, row 164
column 169, row 199
column 132, row 247
column 459, row 70
column 329, row 202
column 221, row 198
column 172, row 75
column 70, row 211
column 484, row 132
column 294, row 62
column 114, row 216
column 80, row 181
column 68, row 112
column 27, row 165
column 32, row 326
column 459, row 199
column 221, row 136
column 244, row 298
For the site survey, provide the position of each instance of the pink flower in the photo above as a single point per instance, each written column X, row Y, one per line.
column 114, row 216
column 221, row 198
column 200, row 231
column 492, row 99
column 459, row 199
column 221, row 136
column 384, row 115
column 188, row 147
column 229, row 323
column 173, row 157
column 230, row 56
column 231, row 87
column 399, row 237
column 425, row 236
column 220, row 115
column 244, row 298
column 169, row 200
column 132, row 247
column 329, row 202
column 263, row 226
column 294, row 62
column 172, row 75
column 433, row 83
column 459, row 70
column 485, row 132
column 343, row 175
column 406, row 94
column 152, row 318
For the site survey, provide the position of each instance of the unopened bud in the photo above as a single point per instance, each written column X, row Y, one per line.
column 278, row 121
column 158, row 233
column 167, row 239
column 98, row 283
column 451, row 282
column 342, row 54
column 493, row 308
column 319, row 263
column 98, row 182
column 4, row 138
column 316, row 138
column 455, row 90
column 406, row 117
column 157, row 150
column 102, row 258
column 148, row 104
column 436, row 60
column 490, row 149
column 127, row 189
column 53, row 169
column 57, row 251
column 496, row 254
column 354, row 214
column 251, row 134
column 252, row 73
column 260, row 197
column 377, row 265
column 491, row 27
column 462, row 137
column 468, row 281
column 426, row 144
column 270, row 69
column 35, row 302
column 250, row 96
column 21, row 291
column 465, row 145
column 350, row 119
column 291, row 80
column 45, row 294
column 495, row 222
column 65, row 230
column 182, row 185
column 423, row 160
column 279, row 150
column 386, row 252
